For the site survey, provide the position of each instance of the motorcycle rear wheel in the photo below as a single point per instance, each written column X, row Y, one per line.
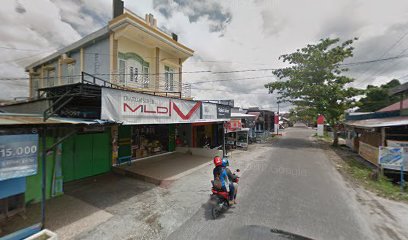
column 215, row 211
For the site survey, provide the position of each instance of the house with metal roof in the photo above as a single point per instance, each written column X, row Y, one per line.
column 367, row 132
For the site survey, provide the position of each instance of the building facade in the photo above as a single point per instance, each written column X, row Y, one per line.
column 130, row 51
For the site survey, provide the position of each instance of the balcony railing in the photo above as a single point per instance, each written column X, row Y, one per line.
column 142, row 83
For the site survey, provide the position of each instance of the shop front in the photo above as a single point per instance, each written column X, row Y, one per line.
column 134, row 142
column 207, row 135
column 236, row 136
column 152, row 125
column 150, row 140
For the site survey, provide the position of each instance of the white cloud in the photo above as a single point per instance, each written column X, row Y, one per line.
column 254, row 36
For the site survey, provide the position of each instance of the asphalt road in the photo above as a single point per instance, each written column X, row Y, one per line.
column 292, row 189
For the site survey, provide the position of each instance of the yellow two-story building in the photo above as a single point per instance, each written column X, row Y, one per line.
column 130, row 51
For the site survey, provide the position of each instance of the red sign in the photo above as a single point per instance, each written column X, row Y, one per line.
column 276, row 119
column 320, row 119
column 234, row 125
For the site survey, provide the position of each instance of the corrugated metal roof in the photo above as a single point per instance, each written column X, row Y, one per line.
column 34, row 119
column 395, row 106
column 399, row 89
column 379, row 122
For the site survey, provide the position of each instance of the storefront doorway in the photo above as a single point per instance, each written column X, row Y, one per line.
column 207, row 135
column 150, row 140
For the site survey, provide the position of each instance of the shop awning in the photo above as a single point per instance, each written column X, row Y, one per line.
column 7, row 119
column 379, row 122
column 242, row 115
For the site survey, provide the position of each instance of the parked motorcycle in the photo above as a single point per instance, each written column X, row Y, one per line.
column 219, row 199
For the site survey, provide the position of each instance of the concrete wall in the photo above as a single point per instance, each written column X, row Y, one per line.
column 77, row 69
column 45, row 81
column 97, row 58
column 148, row 54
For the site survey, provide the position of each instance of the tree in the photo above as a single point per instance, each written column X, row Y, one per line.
column 378, row 97
column 301, row 114
column 314, row 79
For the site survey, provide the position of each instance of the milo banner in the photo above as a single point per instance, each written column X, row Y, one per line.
column 137, row 108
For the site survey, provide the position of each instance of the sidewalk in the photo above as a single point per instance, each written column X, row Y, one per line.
column 162, row 170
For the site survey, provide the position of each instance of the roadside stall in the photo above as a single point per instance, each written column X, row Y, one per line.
column 242, row 138
column 232, row 127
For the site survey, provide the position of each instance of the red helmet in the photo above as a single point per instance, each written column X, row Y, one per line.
column 217, row 161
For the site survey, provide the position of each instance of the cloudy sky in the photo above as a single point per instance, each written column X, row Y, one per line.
column 226, row 36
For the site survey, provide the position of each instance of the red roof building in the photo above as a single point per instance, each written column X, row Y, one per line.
column 395, row 106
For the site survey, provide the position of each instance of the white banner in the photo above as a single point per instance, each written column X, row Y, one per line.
column 391, row 156
column 209, row 111
column 137, row 108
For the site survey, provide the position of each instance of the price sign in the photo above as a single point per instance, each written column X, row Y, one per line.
column 18, row 155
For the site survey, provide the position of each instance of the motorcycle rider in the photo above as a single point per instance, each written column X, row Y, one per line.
column 233, row 186
column 220, row 175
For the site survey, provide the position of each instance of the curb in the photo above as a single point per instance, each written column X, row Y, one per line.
column 164, row 183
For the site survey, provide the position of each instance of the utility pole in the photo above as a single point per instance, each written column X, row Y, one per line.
column 276, row 120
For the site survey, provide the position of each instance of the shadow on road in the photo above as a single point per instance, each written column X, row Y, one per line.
column 208, row 215
column 263, row 232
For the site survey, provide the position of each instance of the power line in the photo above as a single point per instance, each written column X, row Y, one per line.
column 25, row 50
column 228, row 91
column 374, row 60
column 231, row 79
column 385, row 53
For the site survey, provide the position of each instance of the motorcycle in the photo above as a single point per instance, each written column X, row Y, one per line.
column 219, row 199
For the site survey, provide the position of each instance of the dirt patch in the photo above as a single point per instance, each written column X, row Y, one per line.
column 385, row 217
column 360, row 173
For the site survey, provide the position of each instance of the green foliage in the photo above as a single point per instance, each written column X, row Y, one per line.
column 314, row 79
column 382, row 187
column 303, row 114
column 378, row 97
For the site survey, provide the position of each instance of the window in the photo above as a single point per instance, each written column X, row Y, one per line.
column 34, row 85
column 131, row 74
column 122, row 71
column 145, row 81
column 70, row 73
column 50, row 78
column 169, row 78
column 135, row 74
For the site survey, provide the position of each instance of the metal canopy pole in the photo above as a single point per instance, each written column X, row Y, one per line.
column 224, row 151
column 44, row 175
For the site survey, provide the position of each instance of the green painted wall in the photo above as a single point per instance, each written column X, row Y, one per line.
column 33, row 191
column 85, row 155
column 68, row 159
column 101, row 153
